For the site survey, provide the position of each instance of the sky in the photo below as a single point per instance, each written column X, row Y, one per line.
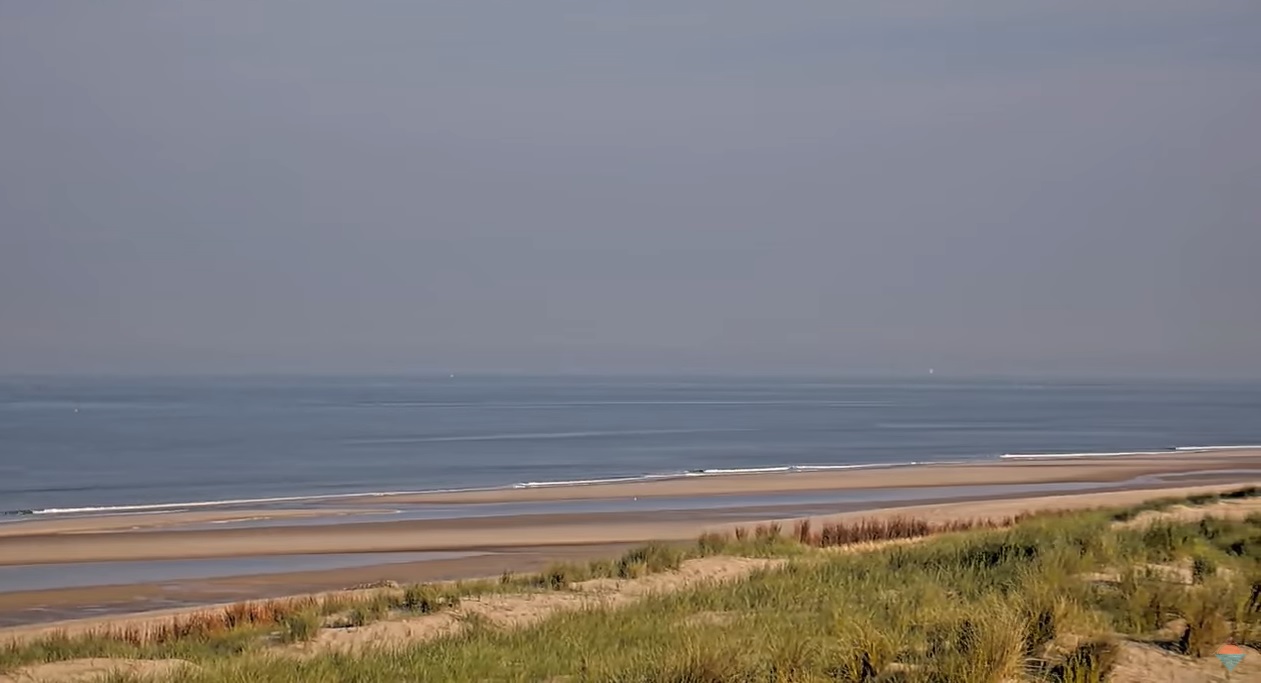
column 981, row 187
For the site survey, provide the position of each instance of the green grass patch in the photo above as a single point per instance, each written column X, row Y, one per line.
column 300, row 627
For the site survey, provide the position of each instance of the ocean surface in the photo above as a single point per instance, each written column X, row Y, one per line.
column 73, row 446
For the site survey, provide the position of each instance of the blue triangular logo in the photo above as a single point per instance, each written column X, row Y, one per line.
column 1230, row 661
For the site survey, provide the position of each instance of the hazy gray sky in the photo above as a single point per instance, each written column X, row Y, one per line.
column 1050, row 186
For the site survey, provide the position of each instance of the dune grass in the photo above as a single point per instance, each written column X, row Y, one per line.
column 1044, row 600
column 983, row 607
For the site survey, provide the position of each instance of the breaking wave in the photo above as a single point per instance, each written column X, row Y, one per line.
column 707, row 472
column 1104, row 454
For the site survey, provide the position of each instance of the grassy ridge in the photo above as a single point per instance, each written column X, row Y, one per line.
column 1046, row 600
column 985, row 607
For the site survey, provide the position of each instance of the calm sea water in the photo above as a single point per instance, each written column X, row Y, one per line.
column 76, row 443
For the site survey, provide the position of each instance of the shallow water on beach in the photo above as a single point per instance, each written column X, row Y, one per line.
column 733, row 503
column 30, row 577
column 91, row 443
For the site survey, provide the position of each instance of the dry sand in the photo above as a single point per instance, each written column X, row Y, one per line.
column 1000, row 509
column 1142, row 663
column 524, row 609
column 94, row 670
column 1222, row 509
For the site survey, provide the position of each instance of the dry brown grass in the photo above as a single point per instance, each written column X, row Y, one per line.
column 878, row 529
column 209, row 623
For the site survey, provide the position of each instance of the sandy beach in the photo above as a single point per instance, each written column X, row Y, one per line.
column 335, row 530
column 523, row 542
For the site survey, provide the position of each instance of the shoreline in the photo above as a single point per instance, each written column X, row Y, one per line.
column 643, row 485
column 346, row 529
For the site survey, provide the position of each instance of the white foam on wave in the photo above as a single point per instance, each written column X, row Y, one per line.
column 799, row 468
column 1217, row 448
column 741, row 470
column 152, row 508
column 872, row 466
column 710, row 472
column 1166, row 451
column 158, row 507
column 588, row 482
column 1038, row 456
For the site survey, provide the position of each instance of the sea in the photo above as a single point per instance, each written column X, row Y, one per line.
column 92, row 445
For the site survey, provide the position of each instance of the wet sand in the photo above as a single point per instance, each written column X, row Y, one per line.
column 157, row 520
column 1015, row 471
column 44, row 606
